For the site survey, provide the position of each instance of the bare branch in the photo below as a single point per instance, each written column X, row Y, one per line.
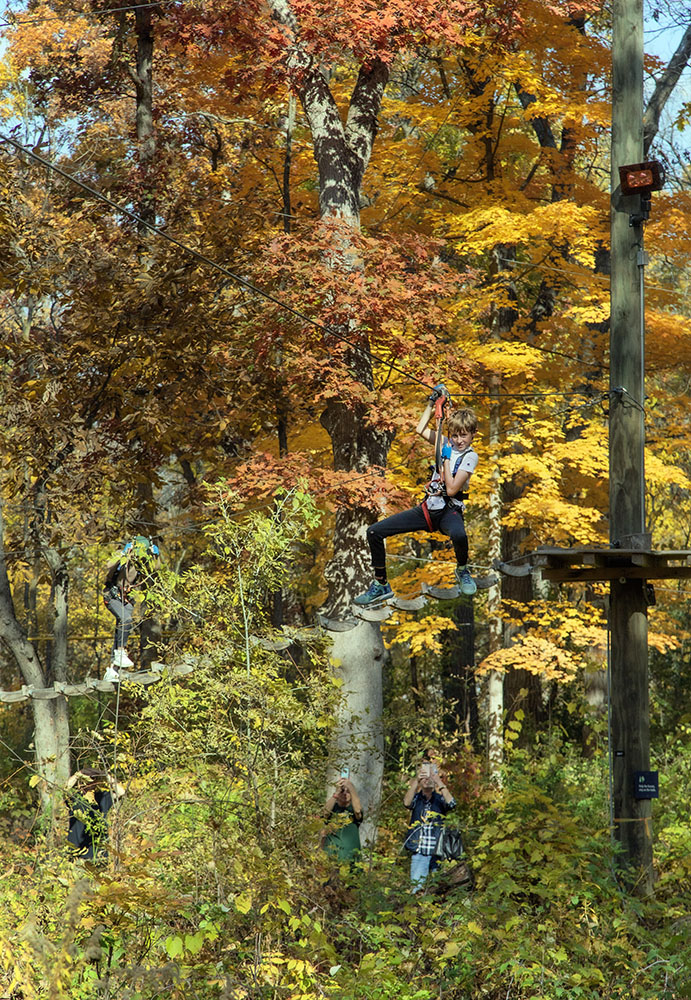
column 663, row 90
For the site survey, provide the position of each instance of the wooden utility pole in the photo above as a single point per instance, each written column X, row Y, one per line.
column 630, row 723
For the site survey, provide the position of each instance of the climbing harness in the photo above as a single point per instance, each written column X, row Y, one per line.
column 440, row 397
column 437, row 484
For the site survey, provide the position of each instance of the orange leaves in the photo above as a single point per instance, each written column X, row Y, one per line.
column 384, row 298
column 668, row 339
column 362, row 30
column 259, row 478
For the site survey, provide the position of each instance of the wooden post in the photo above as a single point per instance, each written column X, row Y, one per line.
column 630, row 741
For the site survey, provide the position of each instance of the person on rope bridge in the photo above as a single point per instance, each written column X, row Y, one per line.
column 442, row 509
column 131, row 570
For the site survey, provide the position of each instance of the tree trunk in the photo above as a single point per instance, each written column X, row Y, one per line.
column 52, row 755
column 51, row 725
column 522, row 688
column 357, row 656
column 458, row 676
column 495, row 680
column 595, row 694
column 143, row 82
column 502, row 321
column 342, row 152
column 664, row 88
column 415, row 685
column 59, row 592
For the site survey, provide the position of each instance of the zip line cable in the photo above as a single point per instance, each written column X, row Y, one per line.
column 591, row 275
column 536, row 395
column 245, row 283
column 86, row 13
column 202, row 258
column 200, row 523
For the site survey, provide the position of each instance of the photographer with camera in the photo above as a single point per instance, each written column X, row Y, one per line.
column 429, row 800
column 343, row 843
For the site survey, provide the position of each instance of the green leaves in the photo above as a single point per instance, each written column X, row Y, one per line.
column 190, row 944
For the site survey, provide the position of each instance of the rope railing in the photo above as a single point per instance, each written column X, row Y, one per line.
column 281, row 640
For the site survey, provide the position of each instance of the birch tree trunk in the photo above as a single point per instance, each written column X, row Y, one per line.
column 502, row 321
column 495, row 680
column 51, row 722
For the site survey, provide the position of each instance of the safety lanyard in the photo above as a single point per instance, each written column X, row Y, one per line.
column 439, row 407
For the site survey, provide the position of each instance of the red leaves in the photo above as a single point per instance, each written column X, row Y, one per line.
column 281, row 43
column 258, row 480
column 374, row 299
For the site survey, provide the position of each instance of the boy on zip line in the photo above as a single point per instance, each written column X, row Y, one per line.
column 442, row 509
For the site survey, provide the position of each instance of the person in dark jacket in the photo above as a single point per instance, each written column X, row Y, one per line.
column 130, row 571
column 90, row 795
column 429, row 800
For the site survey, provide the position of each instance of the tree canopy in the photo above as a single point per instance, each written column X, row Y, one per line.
column 241, row 244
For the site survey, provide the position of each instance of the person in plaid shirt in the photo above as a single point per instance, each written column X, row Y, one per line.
column 429, row 800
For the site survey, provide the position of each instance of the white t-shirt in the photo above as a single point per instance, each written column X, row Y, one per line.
column 467, row 461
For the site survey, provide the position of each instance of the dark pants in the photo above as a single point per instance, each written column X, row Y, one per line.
column 88, row 831
column 448, row 520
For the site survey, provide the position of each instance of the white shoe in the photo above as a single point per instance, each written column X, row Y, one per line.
column 111, row 674
column 120, row 659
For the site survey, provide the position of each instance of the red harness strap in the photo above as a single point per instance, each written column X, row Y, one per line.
column 425, row 511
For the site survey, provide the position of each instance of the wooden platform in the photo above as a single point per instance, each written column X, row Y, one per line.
column 596, row 563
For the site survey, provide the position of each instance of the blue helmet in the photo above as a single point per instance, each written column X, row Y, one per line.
column 142, row 547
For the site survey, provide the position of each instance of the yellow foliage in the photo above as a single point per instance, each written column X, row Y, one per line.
column 560, row 621
column 537, row 655
column 421, row 636
column 659, row 473
column 662, row 643
column 588, row 311
column 588, row 454
column 665, row 632
column 551, row 519
column 507, row 359
column 578, row 225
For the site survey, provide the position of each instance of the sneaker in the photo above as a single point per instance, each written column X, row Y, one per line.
column 120, row 659
column 378, row 593
column 468, row 585
column 111, row 674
